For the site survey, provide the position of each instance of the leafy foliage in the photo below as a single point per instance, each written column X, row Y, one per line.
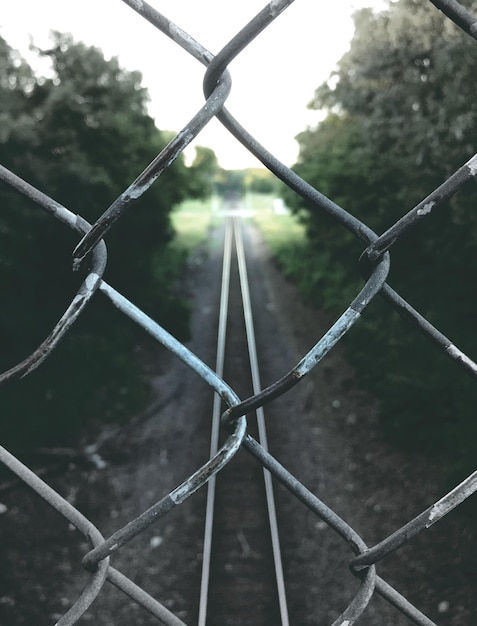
column 230, row 183
column 261, row 181
column 81, row 135
column 401, row 118
column 205, row 167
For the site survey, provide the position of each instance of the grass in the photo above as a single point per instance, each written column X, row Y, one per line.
column 191, row 221
column 193, row 218
column 278, row 229
column 284, row 234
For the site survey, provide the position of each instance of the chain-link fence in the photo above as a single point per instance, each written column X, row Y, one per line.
column 217, row 85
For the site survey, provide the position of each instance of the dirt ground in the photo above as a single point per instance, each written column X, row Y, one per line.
column 325, row 432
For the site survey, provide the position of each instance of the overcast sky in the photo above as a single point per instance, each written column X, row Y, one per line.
column 272, row 80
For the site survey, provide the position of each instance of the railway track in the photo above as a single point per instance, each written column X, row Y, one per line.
column 242, row 573
column 321, row 431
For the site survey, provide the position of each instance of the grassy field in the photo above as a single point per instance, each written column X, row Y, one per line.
column 192, row 220
column 282, row 231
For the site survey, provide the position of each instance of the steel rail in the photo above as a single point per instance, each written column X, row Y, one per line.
column 216, row 411
column 233, row 233
column 262, row 429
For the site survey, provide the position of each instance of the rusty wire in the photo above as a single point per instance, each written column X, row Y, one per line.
column 375, row 260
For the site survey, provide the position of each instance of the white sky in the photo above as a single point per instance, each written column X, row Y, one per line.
column 272, row 80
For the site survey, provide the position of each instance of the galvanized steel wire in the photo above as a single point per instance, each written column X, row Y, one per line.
column 375, row 261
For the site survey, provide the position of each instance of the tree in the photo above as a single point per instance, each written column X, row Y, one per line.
column 230, row 184
column 401, row 118
column 261, row 180
column 204, row 170
column 81, row 135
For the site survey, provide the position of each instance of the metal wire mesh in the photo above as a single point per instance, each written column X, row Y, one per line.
column 217, row 85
